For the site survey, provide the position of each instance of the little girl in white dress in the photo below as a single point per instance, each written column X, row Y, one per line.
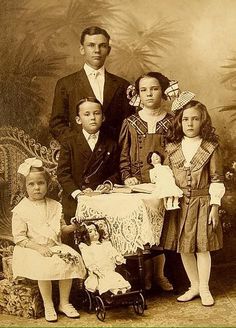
column 39, row 254
column 101, row 258
column 163, row 177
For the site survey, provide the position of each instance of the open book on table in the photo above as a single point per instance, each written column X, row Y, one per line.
column 147, row 188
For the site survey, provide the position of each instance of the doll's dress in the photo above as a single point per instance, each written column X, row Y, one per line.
column 101, row 256
column 163, row 177
column 41, row 222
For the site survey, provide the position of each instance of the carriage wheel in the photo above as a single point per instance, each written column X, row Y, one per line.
column 85, row 300
column 139, row 304
column 100, row 309
column 89, row 302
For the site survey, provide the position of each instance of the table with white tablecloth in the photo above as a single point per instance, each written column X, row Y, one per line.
column 135, row 219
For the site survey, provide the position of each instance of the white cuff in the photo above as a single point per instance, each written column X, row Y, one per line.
column 75, row 193
column 216, row 191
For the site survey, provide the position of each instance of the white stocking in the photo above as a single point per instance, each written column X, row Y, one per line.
column 45, row 287
column 204, row 270
column 190, row 265
column 64, row 289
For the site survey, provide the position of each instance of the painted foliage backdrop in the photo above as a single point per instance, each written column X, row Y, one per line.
column 192, row 41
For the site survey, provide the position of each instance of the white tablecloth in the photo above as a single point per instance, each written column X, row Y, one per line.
column 134, row 219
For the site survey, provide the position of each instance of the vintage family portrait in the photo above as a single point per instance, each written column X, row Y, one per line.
column 117, row 163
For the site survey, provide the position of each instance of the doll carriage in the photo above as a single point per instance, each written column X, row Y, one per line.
column 100, row 302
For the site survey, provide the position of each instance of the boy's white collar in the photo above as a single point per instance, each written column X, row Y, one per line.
column 86, row 134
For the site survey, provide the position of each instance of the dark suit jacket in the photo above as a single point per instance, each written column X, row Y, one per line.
column 70, row 89
column 80, row 168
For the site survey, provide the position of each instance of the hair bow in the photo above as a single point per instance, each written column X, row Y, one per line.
column 24, row 168
column 133, row 97
column 184, row 98
column 173, row 90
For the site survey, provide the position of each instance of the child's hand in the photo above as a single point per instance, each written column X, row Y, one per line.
column 104, row 188
column 119, row 259
column 214, row 216
column 86, row 191
column 131, row 181
column 45, row 251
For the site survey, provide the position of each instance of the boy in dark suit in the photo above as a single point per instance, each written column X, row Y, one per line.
column 89, row 158
column 91, row 81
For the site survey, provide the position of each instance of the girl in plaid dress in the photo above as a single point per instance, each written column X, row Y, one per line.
column 140, row 134
column 195, row 159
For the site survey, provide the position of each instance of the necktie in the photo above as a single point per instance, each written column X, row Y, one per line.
column 97, row 89
column 92, row 140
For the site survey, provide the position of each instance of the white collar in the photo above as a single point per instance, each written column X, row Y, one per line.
column 87, row 135
column 196, row 139
column 89, row 70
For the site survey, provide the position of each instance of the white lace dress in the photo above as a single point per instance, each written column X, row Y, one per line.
column 163, row 177
column 102, row 258
column 40, row 221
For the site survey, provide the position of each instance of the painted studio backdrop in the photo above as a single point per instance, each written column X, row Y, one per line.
column 192, row 41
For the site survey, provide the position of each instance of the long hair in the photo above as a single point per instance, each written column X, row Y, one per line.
column 207, row 131
column 149, row 156
column 163, row 80
column 84, row 235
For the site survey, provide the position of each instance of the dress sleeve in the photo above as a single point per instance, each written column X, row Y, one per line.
column 88, row 257
column 19, row 229
column 124, row 143
column 217, row 188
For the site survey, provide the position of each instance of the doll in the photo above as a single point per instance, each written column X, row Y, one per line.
column 163, row 177
column 100, row 259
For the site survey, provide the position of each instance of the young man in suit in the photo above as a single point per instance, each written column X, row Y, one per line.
column 89, row 158
column 91, row 81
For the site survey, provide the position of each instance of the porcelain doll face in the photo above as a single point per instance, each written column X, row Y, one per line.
column 155, row 159
column 191, row 122
column 93, row 233
column 150, row 92
column 36, row 185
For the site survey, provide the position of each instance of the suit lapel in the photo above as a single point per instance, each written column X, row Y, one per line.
column 83, row 87
column 82, row 146
column 110, row 87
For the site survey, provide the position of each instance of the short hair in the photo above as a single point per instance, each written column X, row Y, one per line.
column 207, row 131
column 48, row 178
column 90, row 99
column 94, row 30
column 84, row 235
column 149, row 156
column 163, row 80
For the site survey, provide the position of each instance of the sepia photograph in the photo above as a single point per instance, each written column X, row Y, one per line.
column 117, row 163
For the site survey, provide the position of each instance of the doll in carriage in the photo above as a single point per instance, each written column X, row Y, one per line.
column 104, row 286
column 100, row 259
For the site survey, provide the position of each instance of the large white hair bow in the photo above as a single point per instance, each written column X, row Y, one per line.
column 24, row 168
column 184, row 98
column 173, row 90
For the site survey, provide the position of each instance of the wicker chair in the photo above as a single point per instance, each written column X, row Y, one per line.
column 15, row 147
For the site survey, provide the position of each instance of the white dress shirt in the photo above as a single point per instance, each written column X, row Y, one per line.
column 96, row 79
column 91, row 138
